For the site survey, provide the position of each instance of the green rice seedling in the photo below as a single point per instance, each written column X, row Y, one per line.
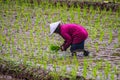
column 117, row 15
column 79, row 10
column 107, row 69
column 68, row 61
column 2, row 39
column 85, row 11
column 101, row 75
column 88, row 45
column 110, row 36
column 75, row 61
column 17, row 3
column 100, row 64
column 72, row 16
column 46, row 5
column 96, row 68
column 101, row 35
column 64, row 19
column 35, row 2
column 93, row 13
column 98, row 23
column 51, row 5
column 7, row 2
column 94, row 33
column 115, row 69
column 29, row 19
column 58, row 5
column 46, row 58
column 112, row 76
column 54, row 48
column 85, row 66
column 62, row 70
column 94, row 72
column 45, row 65
column 63, row 59
column 98, row 9
column 37, row 20
column 91, row 9
column 65, row 6
column 110, row 12
column 55, row 75
column 119, row 36
column 74, row 73
column 116, row 46
column 56, row 18
column 89, row 19
column 97, row 47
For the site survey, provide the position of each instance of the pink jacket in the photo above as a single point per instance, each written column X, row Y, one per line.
column 72, row 34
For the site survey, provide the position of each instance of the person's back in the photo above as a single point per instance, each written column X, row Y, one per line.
column 76, row 32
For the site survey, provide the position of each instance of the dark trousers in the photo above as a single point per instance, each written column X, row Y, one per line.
column 79, row 46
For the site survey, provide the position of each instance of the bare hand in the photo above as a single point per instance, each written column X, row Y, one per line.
column 62, row 48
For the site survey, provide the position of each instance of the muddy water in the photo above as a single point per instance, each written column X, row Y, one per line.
column 113, row 60
column 7, row 77
column 104, row 54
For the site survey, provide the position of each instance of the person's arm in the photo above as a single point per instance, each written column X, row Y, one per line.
column 67, row 42
column 62, row 47
column 63, row 43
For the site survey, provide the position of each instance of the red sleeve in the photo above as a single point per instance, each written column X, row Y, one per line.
column 68, row 40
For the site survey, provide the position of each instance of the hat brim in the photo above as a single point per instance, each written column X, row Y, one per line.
column 55, row 25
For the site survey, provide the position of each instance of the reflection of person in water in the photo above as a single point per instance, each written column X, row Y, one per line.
column 73, row 34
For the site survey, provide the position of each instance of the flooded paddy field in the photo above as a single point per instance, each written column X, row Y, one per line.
column 25, row 42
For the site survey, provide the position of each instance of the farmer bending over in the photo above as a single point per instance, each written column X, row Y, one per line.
column 73, row 34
